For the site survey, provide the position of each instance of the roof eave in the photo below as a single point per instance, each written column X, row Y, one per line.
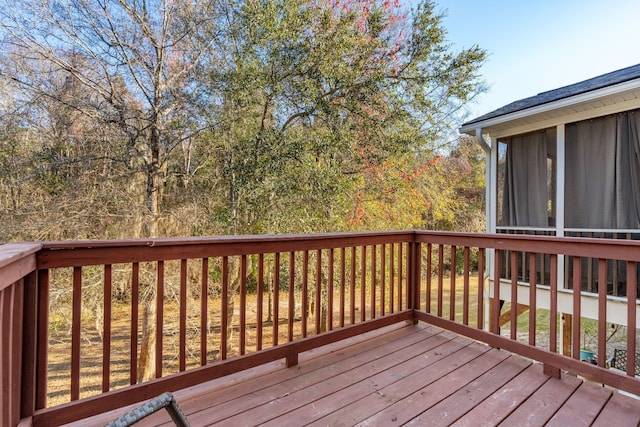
column 471, row 127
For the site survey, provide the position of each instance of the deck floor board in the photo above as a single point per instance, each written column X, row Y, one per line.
column 544, row 402
column 458, row 404
column 583, row 406
column 248, row 398
column 412, row 374
column 505, row 400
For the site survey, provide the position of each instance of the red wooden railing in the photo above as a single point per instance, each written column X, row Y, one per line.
column 578, row 248
column 84, row 303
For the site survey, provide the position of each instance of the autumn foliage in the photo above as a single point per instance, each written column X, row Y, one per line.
column 131, row 119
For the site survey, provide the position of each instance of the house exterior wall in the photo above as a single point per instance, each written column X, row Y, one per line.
column 610, row 104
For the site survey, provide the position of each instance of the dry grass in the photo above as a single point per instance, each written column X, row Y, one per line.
column 92, row 346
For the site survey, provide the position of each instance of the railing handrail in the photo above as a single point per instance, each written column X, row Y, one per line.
column 50, row 254
column 95, row 252
column 16, row 261
column 625, row 250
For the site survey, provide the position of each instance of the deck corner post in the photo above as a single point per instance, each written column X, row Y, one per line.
column 29, row 346
column 413, row 275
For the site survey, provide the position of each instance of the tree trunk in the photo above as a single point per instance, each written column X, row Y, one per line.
column 146, row 365
column 233, row 291
column 233, row 280
column 147, row 359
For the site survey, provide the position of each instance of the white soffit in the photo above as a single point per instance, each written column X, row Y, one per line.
column 608, row 100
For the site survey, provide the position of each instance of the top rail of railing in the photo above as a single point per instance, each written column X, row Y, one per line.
column 87, row 252
column 16, row 261
column 94, row 252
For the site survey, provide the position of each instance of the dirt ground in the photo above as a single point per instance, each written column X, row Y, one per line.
column 92, row 347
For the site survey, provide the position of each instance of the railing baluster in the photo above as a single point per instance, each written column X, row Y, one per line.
column 465, row 287
column 602, row 311
column 383, row 260
column 276, row 298
column 495, row 298
column 513, row 329
column 318, row 296
column 481, row 259
column 243, row 304
column 363, row 283
column 532, row 297
column 292, row 290
column 204, row 299
column 553, row 304
column 614, row 270
column 632, row 295
column 224, row 309
column 135, row 305
column 374, row 250
column 400, row 275
column 330, row 292
column 590, row 261
column 440, row 278
column 452, row 284
column 429, row 286
column 410, row 276
column 305, row 291
column 352, row 289
column 260, row 308
column 75, row 333
column 342, row 284
column 577, row 311
column 159, row 317
column 182, row 357
column 106, row 326
column 392, row 288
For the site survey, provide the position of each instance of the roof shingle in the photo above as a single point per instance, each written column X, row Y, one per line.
column 609, row 79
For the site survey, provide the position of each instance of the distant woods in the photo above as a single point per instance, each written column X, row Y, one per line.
column 136, row 118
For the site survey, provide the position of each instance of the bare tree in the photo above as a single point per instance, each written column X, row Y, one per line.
column 126, row 64
column 132, row 64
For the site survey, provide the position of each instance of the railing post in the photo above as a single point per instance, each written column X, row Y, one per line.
column 17, row 331
column 417, row 264
column 413, row 275
column 29, row 346
column 42, row 338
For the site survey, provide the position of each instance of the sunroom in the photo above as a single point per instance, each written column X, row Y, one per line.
column 566, row 163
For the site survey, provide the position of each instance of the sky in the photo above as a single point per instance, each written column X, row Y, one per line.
column 539, row 45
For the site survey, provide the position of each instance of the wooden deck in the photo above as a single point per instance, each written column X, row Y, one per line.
column 399, row 375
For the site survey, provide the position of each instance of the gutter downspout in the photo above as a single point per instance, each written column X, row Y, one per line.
column 488, row 202
column 483, row 143
column 486, row 146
